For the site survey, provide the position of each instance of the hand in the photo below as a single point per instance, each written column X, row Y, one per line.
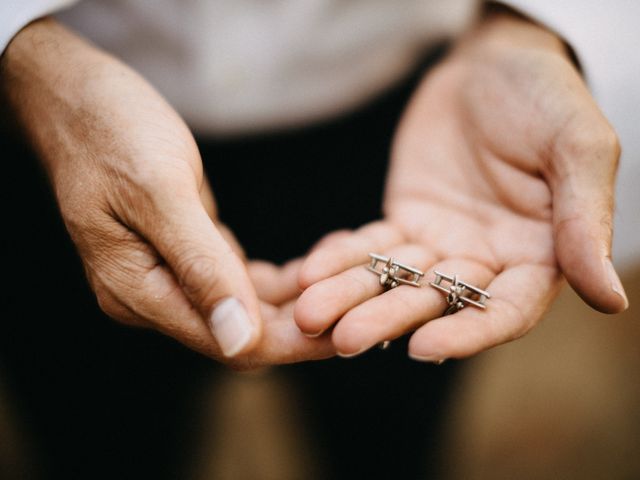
column 128, row 178
column 502, row 172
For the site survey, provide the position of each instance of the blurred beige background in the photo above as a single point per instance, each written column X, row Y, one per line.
column 562, row 402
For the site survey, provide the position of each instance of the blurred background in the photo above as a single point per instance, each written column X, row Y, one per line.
column 82, row 397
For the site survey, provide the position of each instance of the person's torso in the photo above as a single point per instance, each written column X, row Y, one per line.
column 251, row 65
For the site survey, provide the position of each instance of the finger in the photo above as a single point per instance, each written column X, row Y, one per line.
column 582, row 181
column 283, row 343
column 132, row 285
column 209, row 272
column 330, row 238
column 400, row 310
column 325, row 302
column 347, row 251
column 111, row 305
column 158, row 301
column 275, row 284
column 519, row 298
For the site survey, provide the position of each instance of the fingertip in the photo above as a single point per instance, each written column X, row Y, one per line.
column 332, row 238
column 616, row 287
column 261, row 273
column 274, row 284
column 326, row 262
column 308, row 315
column 583, row 255
column 348, row 339
column 436, row 341
column 428, row 359
column 312, row 269
column 422, row 348
column 598, row 284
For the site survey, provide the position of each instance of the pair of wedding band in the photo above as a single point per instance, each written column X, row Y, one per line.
column 392, row 274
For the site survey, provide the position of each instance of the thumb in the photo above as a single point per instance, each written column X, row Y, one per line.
column 210, row 273
column 583, row 180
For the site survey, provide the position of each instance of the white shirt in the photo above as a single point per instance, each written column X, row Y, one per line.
column 233, row 66
column 238, row 66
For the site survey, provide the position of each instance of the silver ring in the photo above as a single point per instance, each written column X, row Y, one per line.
column 459, row 293
column 392, row 273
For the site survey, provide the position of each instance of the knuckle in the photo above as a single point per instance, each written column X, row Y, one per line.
column 150, row 180
column 616, row 147
column 108, row 304
column 119, row 312
column 85, row 224
column 583, row 145
column 139, row 194
column 199, row 277
column 606, row 145
column 609, row 139
column 142, row 177
column 111, row 303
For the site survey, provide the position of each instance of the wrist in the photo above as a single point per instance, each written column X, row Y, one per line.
column 37, row 58
column 47, row 61
column 40, row 72
column 57, row 86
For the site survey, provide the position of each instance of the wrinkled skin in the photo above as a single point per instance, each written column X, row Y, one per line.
column 129, row 182
column 502, row 172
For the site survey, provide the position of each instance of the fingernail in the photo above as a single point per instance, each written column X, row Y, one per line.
column 230, row 325
column 427, row 358
column 350, row 355
column 616, row 284
column 313, row 335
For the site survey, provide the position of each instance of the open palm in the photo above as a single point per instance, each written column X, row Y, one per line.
column 502, row 172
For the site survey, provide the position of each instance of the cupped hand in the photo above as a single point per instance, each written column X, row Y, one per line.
column 502, row 172
column 129, row 182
